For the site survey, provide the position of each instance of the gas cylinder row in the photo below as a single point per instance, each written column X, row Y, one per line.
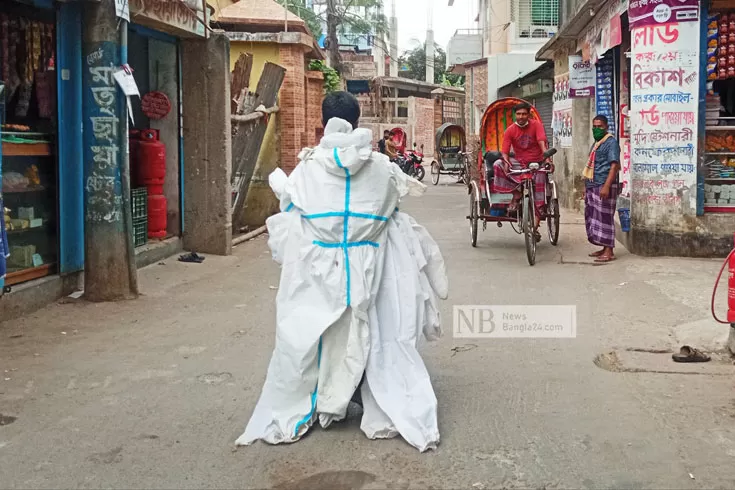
column 148, row 169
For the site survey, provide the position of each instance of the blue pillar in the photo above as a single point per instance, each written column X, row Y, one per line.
column 71, row 160
column 108, row 243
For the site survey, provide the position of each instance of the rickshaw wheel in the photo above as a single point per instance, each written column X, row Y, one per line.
column 528, row 231
column 466, row 171
column 435, row 173
column 553, row 220
column 473, row 219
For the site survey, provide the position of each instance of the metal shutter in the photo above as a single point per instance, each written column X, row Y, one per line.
column 544, row 104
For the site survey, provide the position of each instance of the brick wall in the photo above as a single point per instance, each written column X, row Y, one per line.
column 313, row 128
column 292, row 103
column 424, row 126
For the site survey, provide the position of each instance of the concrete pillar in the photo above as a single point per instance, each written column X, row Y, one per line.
column 207, row 145
column 393, row 42
column 379, row 56
column 109, row 273
column 430, row 56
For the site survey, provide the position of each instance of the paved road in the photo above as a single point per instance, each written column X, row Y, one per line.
column 153, row 393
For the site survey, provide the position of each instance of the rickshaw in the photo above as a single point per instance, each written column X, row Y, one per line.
column 451, row 152
column 399, row 138
column 486, row 205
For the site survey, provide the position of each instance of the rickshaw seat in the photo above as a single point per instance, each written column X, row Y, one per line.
column 450, row 149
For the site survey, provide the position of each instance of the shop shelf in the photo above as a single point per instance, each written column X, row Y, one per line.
column 720, row 179
column 22, row 191
column 26, row 149
column 722, row 153
column 17, row 277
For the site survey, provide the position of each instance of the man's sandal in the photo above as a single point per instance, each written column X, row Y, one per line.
column 690, row 354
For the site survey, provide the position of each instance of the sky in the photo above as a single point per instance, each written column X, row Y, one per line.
column 412, row 20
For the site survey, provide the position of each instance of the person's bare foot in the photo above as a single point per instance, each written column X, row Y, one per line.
column 598, row 253
column 606, row 256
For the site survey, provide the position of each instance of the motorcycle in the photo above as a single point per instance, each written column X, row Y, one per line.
column 412, row 163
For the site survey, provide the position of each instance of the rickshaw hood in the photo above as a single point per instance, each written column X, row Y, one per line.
column 354, row 148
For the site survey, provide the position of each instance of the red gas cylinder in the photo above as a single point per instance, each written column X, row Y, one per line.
column 157, row 216
column 151, row 161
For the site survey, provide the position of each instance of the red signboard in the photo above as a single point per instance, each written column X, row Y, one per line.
column 652, row 12
column 156, row 105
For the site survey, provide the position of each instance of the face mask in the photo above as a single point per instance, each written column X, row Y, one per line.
column 598, row 133
column 522, row 125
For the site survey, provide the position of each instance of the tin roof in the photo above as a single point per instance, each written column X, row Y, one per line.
column 261, row 14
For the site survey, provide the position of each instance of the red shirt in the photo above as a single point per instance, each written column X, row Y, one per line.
column 525, row 142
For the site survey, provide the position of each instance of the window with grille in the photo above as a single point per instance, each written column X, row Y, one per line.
column 535, row 18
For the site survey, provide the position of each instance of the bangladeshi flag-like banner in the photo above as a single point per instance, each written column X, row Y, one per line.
column 653, row 12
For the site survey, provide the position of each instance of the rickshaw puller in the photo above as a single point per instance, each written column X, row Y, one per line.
column 527, row 138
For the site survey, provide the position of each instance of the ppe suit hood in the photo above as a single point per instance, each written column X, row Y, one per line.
column 353, row 145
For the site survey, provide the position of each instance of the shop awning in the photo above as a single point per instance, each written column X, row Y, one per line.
column 571, row 31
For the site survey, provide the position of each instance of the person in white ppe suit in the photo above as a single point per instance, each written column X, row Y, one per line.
column 360, row 287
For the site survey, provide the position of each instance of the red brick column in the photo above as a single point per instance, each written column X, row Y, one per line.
column 314, row 98
column 438, row 109
column 292, row 105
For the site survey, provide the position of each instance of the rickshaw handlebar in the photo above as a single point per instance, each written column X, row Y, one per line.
column 525, row 170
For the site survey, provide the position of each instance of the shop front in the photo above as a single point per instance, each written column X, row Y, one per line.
column 682, row 129
column 156, row 128
column 40, row 127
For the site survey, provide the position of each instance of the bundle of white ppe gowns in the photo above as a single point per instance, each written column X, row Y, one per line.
column 360, row 288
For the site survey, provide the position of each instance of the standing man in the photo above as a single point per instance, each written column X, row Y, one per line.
column 381, row 143
column 601, row 193
column 527, row 138
column 390, row 147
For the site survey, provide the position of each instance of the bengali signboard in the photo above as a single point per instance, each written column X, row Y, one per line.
column 664, row 112
column 561, row 123
column 581, row 77
column 654, row 12
column 178, row 17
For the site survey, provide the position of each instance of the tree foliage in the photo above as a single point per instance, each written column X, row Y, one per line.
column 414, row 62
column 348, row 21
column 313, row 22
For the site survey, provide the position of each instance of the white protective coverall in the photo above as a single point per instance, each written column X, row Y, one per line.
column 360, row 283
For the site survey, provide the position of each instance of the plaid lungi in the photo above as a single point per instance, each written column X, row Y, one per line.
column 599, row 216
column 505, row 184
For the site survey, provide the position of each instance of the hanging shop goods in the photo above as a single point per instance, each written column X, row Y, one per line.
column 28, row 198
column 605, row 96
column 719, row 185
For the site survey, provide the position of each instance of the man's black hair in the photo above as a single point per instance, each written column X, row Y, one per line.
column 343, row 105
column 602, row 119
column 521, row 106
